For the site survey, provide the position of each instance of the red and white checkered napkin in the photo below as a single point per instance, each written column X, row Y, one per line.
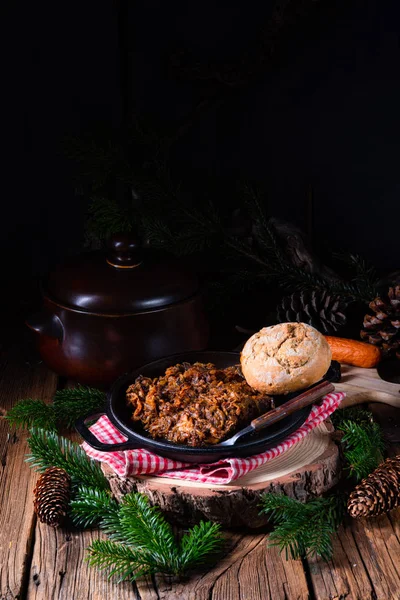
column 142, row 462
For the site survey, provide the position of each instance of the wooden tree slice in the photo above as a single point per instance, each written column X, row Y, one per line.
column 308, row 469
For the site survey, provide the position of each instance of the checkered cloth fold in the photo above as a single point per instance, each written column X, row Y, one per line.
column 141, row 462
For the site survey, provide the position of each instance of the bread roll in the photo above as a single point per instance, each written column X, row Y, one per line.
column 285, row 358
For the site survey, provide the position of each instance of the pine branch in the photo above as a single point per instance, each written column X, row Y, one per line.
column 143, row 526
column 363, row 447
column 32, row 413
column 141, row 541
column 50, row 450
column 72, row 403
column 158, row 233
column 295, row 279
column 199, row 545
column 122, row 561
column 355, row 414
column 68, row 406
column 364, row 274
column 106, row 217
column 274, row 269
column 303, row 529
column 90, row 505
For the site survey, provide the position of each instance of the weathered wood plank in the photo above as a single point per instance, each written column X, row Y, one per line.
column 198, row 586
column 380, row 551
column 345, row 575
column 59, row 570
column 265, row 574
column 249, row 571
column 17, row 519
column 356, row 571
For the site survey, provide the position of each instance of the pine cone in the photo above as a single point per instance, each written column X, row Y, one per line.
column 319, row 309
column 378, row 493
column 383, row 328
column 51, row 496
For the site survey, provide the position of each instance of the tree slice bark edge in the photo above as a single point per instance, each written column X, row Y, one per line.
column 231, row 506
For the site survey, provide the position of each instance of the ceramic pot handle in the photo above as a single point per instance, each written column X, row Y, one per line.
column 87, row 435
column 124, row 251
column 46, row 324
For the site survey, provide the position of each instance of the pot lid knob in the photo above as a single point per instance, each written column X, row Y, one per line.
column 124, row 251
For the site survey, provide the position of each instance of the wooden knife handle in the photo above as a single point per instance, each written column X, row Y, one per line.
column 305, row 399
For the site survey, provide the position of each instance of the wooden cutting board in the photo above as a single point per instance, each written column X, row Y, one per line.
column 307, row 470
column 365, row 385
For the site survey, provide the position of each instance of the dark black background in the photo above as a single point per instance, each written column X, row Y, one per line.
column 326, row 116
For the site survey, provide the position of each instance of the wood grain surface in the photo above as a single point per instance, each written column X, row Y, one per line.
column 17, row 521
column 365, row 385
column 313, row 471
column 37, row 562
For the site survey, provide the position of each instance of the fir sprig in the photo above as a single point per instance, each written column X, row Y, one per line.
column 201, row 542
column 69, row 404
column 123, row 562
column 188, row 229
column 141, row 541
column 72, row 403
column 364, row 274
column 89, row 506
column 354, row 414
column 143, row 526
column 362, row 442
column 106, row 217
column 363, row 446
column 303, row 529
column 50, row 450
column 32, row 413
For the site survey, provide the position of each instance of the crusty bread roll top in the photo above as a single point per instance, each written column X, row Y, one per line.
column 285, row 358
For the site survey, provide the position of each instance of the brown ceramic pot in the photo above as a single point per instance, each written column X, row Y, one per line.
column 105, row 313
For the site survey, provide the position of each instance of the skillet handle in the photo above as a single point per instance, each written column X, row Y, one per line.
column 84, row 431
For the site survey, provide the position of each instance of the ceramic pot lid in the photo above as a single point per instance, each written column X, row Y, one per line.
column 124, row 279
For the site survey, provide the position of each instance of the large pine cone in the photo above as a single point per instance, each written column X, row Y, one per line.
column 51, row 496
column 378, row 493
column 383, row 328
column 319, row 309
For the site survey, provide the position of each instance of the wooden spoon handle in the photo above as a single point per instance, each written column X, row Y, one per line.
column 305, row 399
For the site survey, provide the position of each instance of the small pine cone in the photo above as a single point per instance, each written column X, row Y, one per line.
column 383, row 327
column 378, row 493
column 325, row 312
column 51, row 496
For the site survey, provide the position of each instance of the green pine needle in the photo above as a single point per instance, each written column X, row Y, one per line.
column 362, row 443
column 90, row 505
column 107, row 217
column 199, row 544
column 352, row 413
column 143, row 526
column 364, row 274
column 123, row 562
column 72, row 403
column 32, row 413
column 50, row 450
column 363, row 447
column 303, row 529
column 141, row 540
column 68, row 406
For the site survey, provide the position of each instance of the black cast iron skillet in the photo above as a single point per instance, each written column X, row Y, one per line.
column 120, row 415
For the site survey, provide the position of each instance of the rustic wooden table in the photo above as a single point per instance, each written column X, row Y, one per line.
column 39, row 563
